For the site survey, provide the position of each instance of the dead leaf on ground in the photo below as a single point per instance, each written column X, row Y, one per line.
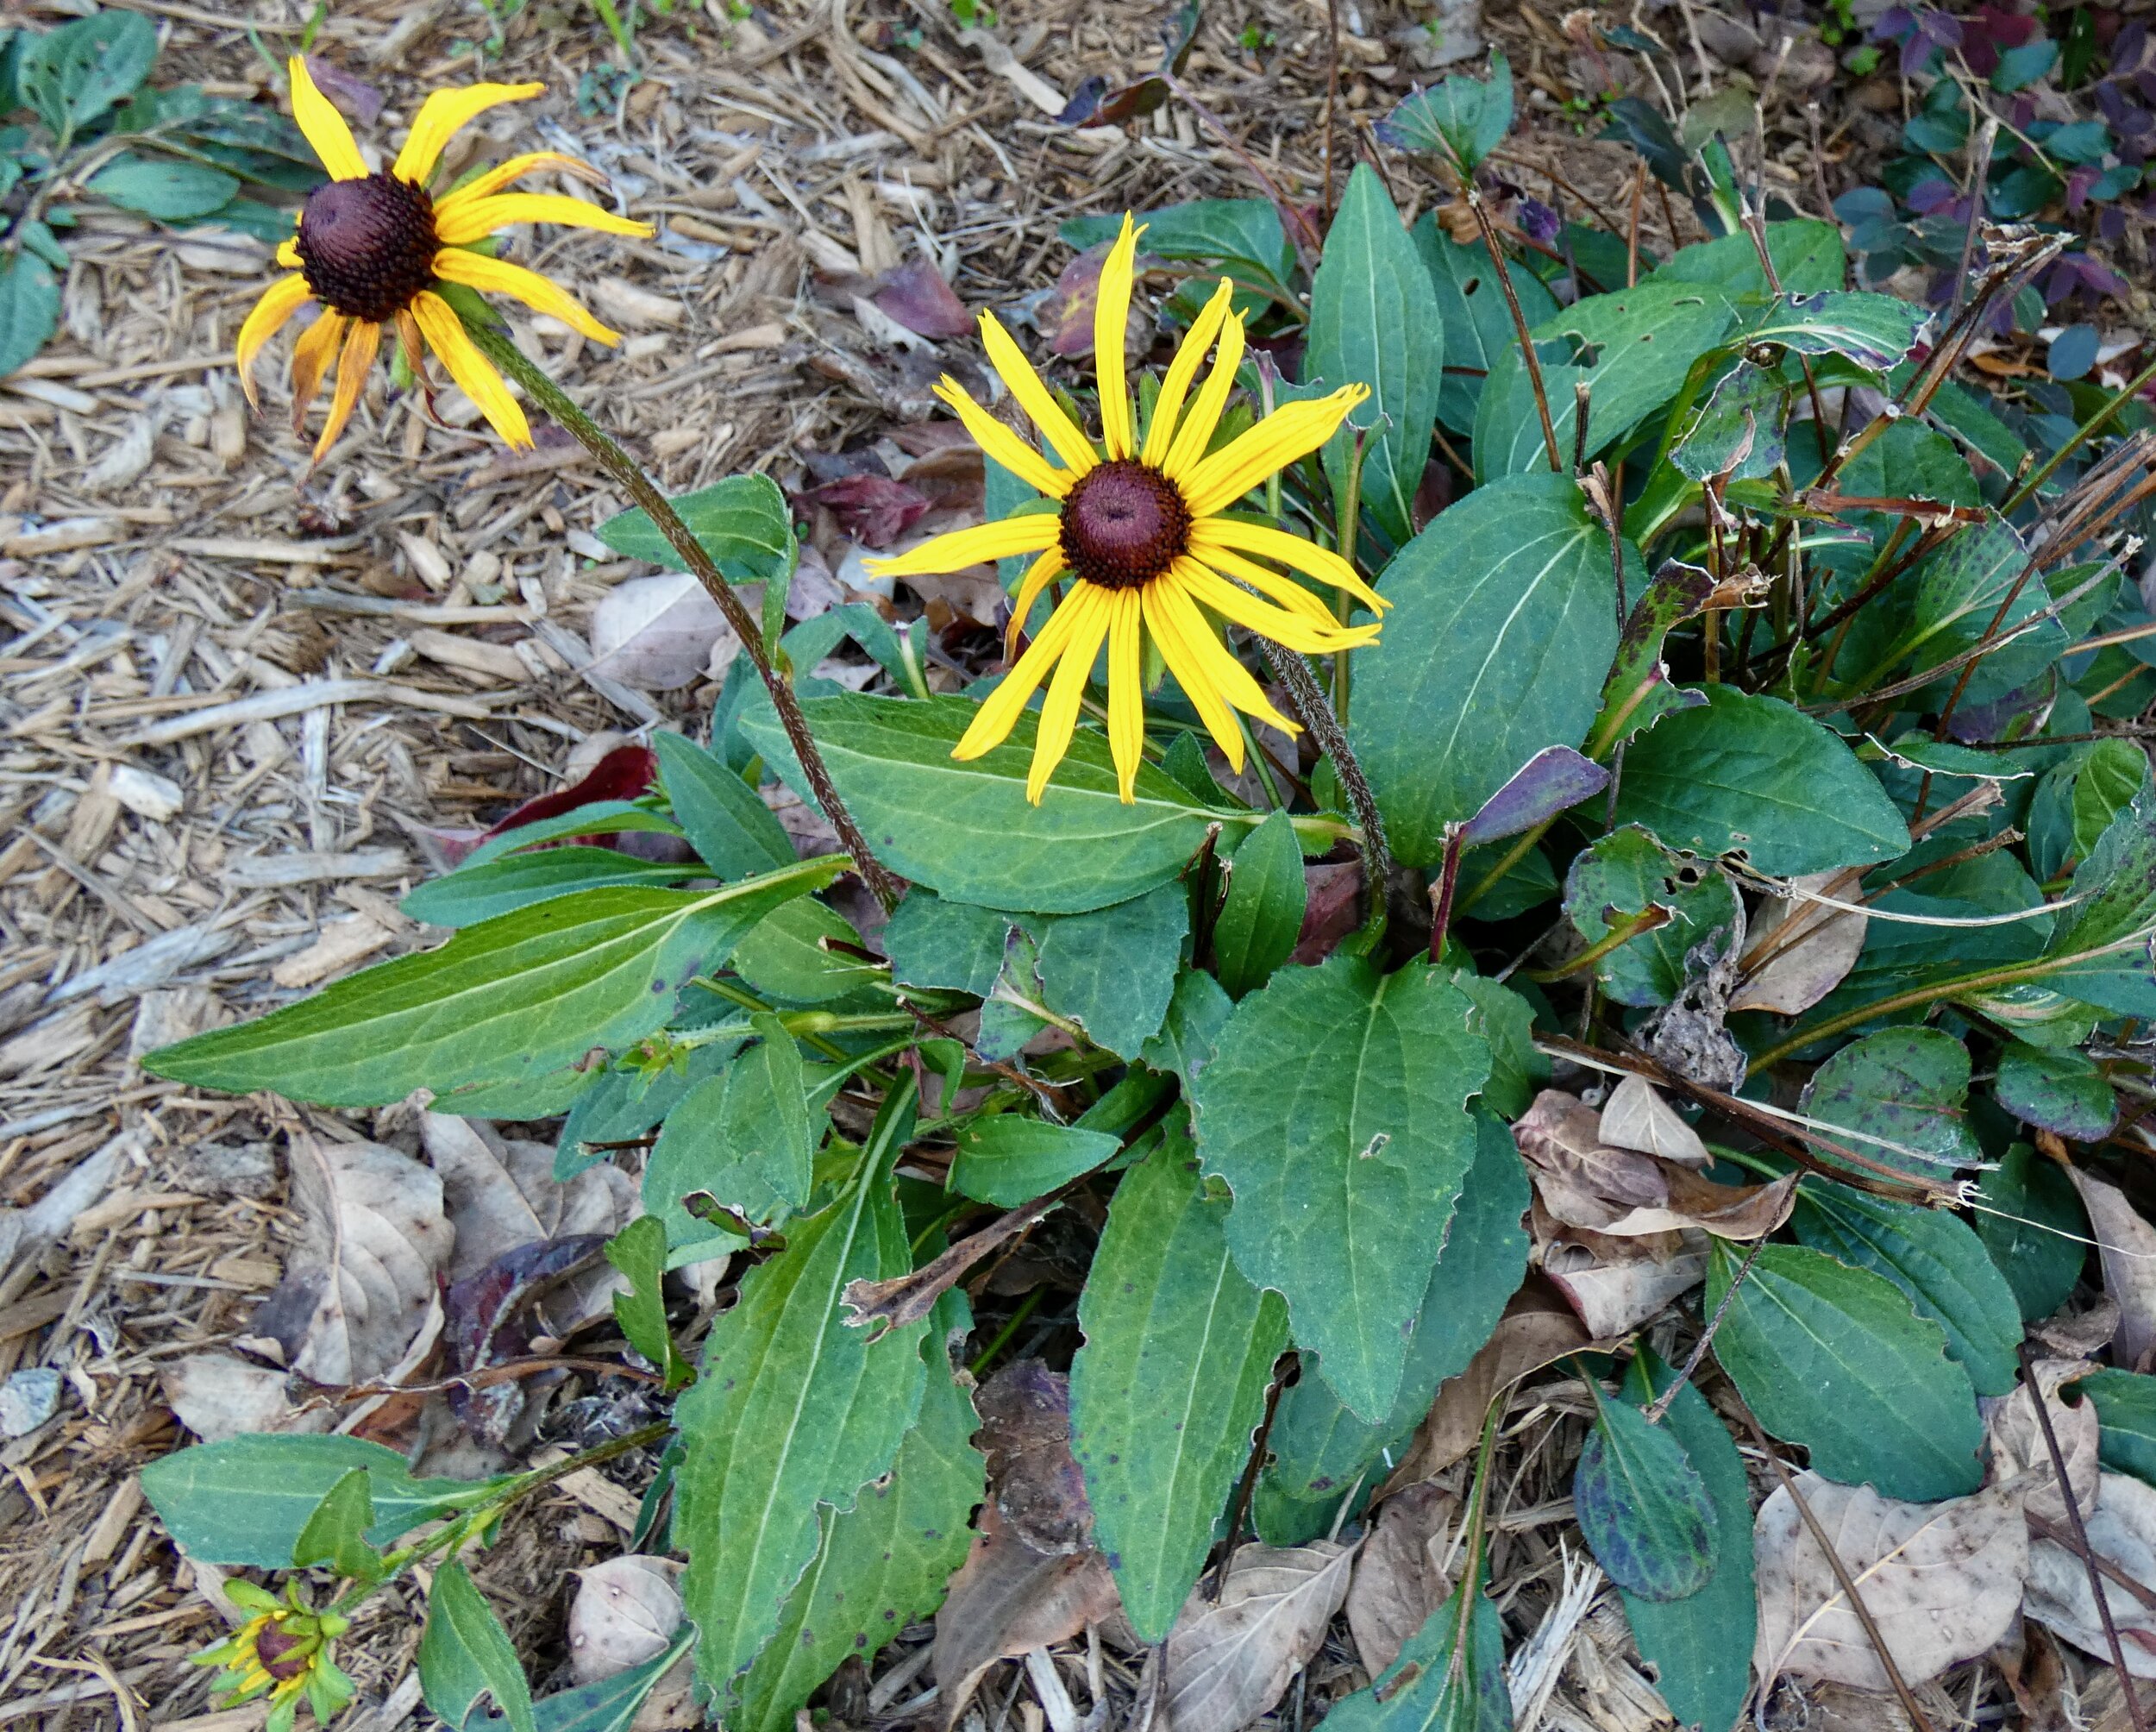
column 1942, row 1581
column 2017, row 1447
column 661, row 633
column 2070, row 1334
column 1537, row 1328
column 1637, row 1117
column 1616, row 1283
column 1229, row 1662
column 916, row 295
column 626, row 1612
column 1400, row 1579
column 218, row 1396
column 2122, row 1529
column 374, row 1240
column 1025, row 1434
column 2128, row 1245
column 1584, row 1181
column 1007, row 1598
column 1807, row 948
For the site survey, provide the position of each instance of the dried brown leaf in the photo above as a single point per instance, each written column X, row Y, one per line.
column 626, row 1612
column 2122, row 1529
column 1942, row 1581
column 1582, row 1180
column 2128, row 1245
column 1229, row 1662
column 2017, row 1446
column 1812, row 949
column 1399, row 1578
column 1025, row 1434
column 218, row 1396
column 1007, row 1598
column 660, row 633
column 1637, row 1117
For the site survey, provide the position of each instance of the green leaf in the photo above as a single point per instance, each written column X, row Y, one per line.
column 2115, row 889
column 1463, row 119
column 2125, row 1420
column 1633, row 350
column 1478, row 324
column 803, row 952
column 1374, row 321
column 967, row 831
column 72, row 75
column 1835, row 1359
column 336, row 1534
column 953, row 945
column 494, row 887
column 1114, row 970
column 1807, row 253
column 639, row 1252
column 1440, row 1683
column 505, row 1001
column 1261, row 915
column 1169, row 1383
column 1747, row 773
column 611, row 1704
column 796, row 1411
column 1642, row 1506
column 465, row 1654
column 171, row 191
column 1934, row 1258
column 2032, row 1222
column 2057, row 1089
column 1501, row 628
column 1957, row 591
column 725, row 818
column 29, row 308
column 1335, row 1107
column 1319, row 1449
column 1875, row 331
column 1517, row 1071
column 743, row 523
column 1008, row 1159
column 1701, row 1646
column 1191, row 1030
column 1905, row 1087
column 601, row 818
column 743, row 1138
column 1244, row 230
column 1738, row 433
column 1622, row 874
column 883, row 1563
column 2108, row 778
column 244, row 1503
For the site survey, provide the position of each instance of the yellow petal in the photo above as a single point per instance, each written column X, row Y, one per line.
column 1296, row 631
column 1196, row 432
column 288, row 253
column 483, row 186
column 1000, row 710
column 472, row 218
column 311, row 355
column 1111, row 323
column 1032, row 533
column 1088, row 604
column 286, row 297
column 1043, row 572
column 1005, row 446
column 1161, row 430
column 473, row 371
column 1293, row 551
column 1293, row 430
column 1167, row 628
column 477, row 270
column 1274, row 584
column 360, row 344
column 440, row 115
column 323, row 125
column 1057, row 428
column 1229, row 677
column 1126, row 688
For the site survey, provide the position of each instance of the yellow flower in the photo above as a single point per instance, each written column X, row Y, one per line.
column 282, row 1651
column 372, row 250
column 1142, row 530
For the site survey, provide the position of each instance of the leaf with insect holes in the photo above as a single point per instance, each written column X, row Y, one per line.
column 1621, row 876
column 1478, row 324
column 1642, row 1505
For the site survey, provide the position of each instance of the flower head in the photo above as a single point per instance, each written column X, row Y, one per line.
column 1142, row 530
column 373, row 248
column 283, row 1652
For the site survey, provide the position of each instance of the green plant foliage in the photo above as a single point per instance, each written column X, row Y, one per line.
column 2125, row 1416
column 1902, row 1093
column 729, row 827
column 464, row 1655
column 1113, row 970
column 639, row 1252
column 2057, row 1089
column 2031, row 1222
column 1643, row 1506
column 1621, row 875
column 1261, row 914
column 336, row 1535
column 743, row 523
column 743, row 1138
column 502, row 886
column 1448, row 1678
column 1478, row 325
column 1005, row 1158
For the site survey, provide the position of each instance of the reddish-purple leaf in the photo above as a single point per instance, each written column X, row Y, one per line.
column 1553, row 779
column 917, row 296
column 623, row 773
column 874, row 509
column 355, row 96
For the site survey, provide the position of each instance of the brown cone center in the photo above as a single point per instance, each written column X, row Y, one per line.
column 368, row 246
column 1124, row 524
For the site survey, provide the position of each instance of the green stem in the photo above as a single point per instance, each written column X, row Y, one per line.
column 1003, row 1335
column 494, row 343
column 1511, row 858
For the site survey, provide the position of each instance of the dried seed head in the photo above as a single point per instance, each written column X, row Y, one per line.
column 368, row 246
column 1124, row 524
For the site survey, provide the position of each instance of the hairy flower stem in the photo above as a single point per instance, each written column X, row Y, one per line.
column 1311, row 704
column 494, row 343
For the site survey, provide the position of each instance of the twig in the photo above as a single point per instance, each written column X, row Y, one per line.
column 495, row 344
column 1660, row 1404
column 1248, row 1483
column 2081, row 1539
column 1918, row 1718
column 1441, row 892
column 1528, row 356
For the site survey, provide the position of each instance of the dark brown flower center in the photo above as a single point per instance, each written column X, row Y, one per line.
column 368, row 246
column 274, row 1649
column 1124, row 524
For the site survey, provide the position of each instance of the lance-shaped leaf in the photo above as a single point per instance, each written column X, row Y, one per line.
column 1335, row 1107
column 884, row 1562
column 1836, row 1359
column 336, row 1534
column 1262, row 914
column 1006, row 1157
column 465, row 1654
column 726, row 820
column 1875, row 331
column 1554, row 778
column 502, row 1002
column 742, row 522
column 1642, row 1506
column 1638, row 690
column 1448, row 1678
column 795, row 1411
column 1170, row 1383
column 2115, row 912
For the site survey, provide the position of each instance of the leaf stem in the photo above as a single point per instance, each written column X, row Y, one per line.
column 1528, row 356
column 494, row 343
column 1311, row 704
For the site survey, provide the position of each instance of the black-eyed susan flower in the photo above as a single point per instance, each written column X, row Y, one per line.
column 373, row 249
column 1142, row 529
column 282, row 1652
